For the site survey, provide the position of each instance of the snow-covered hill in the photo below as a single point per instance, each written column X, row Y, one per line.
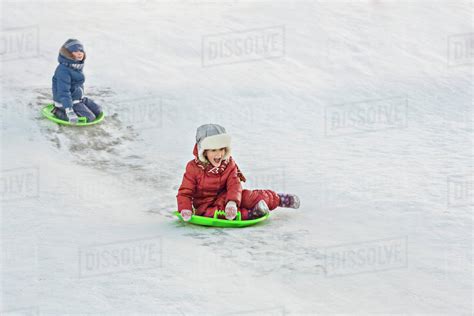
column 363, row 109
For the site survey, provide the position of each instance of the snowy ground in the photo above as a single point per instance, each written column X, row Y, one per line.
column 362, row 108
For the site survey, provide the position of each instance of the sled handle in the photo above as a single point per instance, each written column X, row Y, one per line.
column 221, row 212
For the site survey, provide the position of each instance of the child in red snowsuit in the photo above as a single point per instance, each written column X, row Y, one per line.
column 212, row 182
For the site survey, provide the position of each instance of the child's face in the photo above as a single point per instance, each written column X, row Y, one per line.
column 78, row 55
column 215, row 156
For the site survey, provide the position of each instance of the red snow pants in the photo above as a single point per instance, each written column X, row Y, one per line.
column 250, row 198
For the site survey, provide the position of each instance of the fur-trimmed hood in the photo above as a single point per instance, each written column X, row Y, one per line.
column 65, row 54
column 68, row 55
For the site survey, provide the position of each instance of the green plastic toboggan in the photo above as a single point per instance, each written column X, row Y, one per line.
column 82, row 121
column 217, row 222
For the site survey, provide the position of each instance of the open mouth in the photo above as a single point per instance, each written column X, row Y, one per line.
column 217, row 160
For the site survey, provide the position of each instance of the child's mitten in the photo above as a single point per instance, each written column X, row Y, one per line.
column 230, row 210
column 186, row 215
column 71, row 115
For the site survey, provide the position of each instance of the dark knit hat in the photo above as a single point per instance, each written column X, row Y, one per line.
column 73, row 45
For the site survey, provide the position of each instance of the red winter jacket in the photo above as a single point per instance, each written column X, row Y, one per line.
column 205, row 187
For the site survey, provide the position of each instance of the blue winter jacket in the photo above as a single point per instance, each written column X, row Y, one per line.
column 68, row 81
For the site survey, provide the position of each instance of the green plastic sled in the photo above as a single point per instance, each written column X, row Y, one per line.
column 216, row 222
column 48, row 113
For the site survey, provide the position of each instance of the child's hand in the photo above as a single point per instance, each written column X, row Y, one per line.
column 71, row 115
column 230, row 210
column 186, row 215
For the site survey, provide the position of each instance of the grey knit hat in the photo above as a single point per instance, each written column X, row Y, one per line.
column 212, row 136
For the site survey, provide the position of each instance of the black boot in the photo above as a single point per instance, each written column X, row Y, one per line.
column 60, row 114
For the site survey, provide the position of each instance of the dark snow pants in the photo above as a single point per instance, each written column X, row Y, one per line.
column 86, row 108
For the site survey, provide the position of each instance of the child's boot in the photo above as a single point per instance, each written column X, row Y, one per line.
column 289, row 200
column 60, row 114
column 260, row 210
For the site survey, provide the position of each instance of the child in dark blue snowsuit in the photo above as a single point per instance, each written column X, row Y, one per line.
column 68, row 85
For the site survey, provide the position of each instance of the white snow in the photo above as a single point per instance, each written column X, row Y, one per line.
column 393, row 195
